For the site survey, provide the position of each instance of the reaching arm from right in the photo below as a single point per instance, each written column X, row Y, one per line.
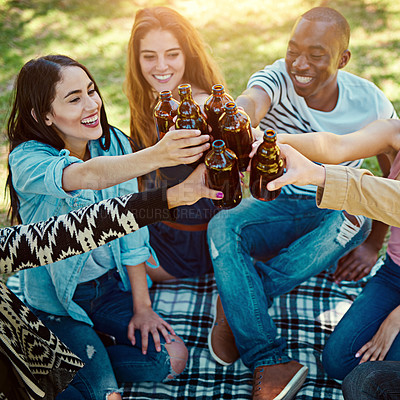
column 342, row 188
column 381, row 136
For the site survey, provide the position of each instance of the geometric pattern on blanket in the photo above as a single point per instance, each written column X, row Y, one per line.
column 305, row 317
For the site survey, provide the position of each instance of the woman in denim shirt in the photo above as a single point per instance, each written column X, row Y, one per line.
column 60, row 141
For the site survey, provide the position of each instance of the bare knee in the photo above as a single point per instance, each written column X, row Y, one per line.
column 114, row 396
column 178, row 356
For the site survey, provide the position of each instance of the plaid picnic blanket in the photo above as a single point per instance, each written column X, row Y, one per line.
column 305, row 316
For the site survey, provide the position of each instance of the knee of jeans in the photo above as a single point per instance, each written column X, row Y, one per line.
column 114, row 395
column 222, row 230
column 332, row 358
column 363, row 379
column 213, row 235
column 218, row 224
column 354, row 229
column 178, row 356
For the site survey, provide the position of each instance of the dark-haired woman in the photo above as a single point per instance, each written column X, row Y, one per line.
column 60, row 148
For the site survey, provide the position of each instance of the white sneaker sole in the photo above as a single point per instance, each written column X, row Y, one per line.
column 214, row 356
column 294, row 385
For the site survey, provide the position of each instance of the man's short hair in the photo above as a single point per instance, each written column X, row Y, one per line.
column 327, row 14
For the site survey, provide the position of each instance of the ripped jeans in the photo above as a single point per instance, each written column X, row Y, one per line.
column 296, row 240
column 110, row 309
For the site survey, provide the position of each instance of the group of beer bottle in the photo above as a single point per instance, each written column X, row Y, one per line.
column 188, row 113
column 232, row 139
column 230, row 150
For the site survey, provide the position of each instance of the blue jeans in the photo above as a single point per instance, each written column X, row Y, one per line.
column 110, row 309
column 295, row 239
column 378, row 299
column 374, row 380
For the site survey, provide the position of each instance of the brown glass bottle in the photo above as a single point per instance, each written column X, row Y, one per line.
column 189, row 112
column 190, row 115
column 266, row 166
column 164, row 112
column 223, row 174
column 236, row 133
column 214, row 108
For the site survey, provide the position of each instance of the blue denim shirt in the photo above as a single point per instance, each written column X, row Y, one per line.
column 37, row 171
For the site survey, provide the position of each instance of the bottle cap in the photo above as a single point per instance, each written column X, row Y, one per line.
column 218, row 88
column 269, row 135
column 230, row 106
column 218, row 144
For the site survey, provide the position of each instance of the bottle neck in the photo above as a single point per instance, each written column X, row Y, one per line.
column 269, row 143
column 218, row 93
column 185, row 92
column 268, row 153
column 186, row 96
column 165, row 95
column 165, row 98
column 231, row 111
column 218, row 146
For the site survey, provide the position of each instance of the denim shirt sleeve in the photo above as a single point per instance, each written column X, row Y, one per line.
column 136, row 249
column 37, row 169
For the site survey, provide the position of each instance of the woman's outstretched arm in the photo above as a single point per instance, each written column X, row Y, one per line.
column 60, row 237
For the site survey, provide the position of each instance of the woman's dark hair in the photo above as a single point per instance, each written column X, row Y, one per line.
column 34, row 92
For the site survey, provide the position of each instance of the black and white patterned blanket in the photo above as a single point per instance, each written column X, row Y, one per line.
column 305, row 316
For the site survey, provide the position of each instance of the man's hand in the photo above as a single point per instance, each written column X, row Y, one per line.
column 357, row 264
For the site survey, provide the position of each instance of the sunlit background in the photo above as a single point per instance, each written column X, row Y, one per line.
column 243, row 36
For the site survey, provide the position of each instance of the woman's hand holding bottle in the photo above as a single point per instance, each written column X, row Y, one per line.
column 299, row 170
column 192, row 189
column 181, row 146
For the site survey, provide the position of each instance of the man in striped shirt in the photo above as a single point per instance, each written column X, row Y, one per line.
column 263, row 249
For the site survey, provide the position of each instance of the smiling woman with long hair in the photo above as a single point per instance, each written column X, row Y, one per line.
column 164, row 51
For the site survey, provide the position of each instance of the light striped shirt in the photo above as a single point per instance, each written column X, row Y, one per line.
column 360, row 102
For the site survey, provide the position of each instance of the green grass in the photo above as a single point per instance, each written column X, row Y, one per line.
column 242, row 36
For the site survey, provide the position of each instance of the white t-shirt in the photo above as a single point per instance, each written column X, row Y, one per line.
column 360, row 102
